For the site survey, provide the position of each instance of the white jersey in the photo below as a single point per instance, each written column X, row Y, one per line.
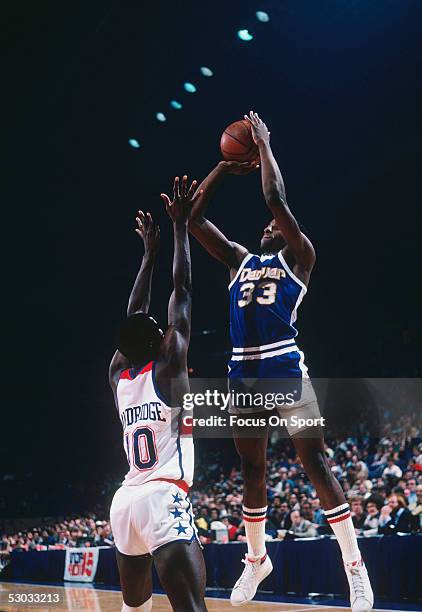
column 152, row 431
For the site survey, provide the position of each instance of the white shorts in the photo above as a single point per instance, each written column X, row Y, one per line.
column 301, row 416
column 147, row 516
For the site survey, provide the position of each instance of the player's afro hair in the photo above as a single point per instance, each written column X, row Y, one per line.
column 139, row 338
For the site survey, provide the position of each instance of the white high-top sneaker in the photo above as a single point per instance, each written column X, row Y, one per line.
column 254, row 573
column 361, row 595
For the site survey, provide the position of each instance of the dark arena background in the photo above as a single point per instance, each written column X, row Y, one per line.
column 105, row 102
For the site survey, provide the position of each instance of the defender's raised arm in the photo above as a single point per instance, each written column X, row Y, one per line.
column 140, row 296
column 176, row 340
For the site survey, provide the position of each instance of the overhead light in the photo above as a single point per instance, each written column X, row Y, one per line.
column 189, row 87
column 160, row 117
column 134, row 143
column 262, row 16
column 244, row 35
column 175, row 104
column 207, row 72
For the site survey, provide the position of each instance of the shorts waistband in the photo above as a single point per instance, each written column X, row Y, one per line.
column 265, row 351
column 179, row 483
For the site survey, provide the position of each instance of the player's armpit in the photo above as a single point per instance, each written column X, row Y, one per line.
column 118, row 363
column 299, row 244
column 171, row 368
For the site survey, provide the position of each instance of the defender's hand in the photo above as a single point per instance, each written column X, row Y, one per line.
column 183, row 199
column 260, row 132
column 239, row 168
column 149, row 232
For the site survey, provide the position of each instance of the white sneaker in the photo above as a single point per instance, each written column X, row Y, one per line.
column 361, row 595
column 254, row 573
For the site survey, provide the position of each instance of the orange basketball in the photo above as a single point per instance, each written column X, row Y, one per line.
column 237, row 144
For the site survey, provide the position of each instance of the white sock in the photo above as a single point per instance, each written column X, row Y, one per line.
column 341, row 523
column 146, row 607
column 254, row 519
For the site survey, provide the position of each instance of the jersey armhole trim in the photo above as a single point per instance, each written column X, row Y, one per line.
column 244, row 261
column 157, row 391
column 290, row 273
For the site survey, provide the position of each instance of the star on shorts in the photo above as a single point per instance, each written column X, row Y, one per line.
column 177, row 499
column 180, row 528
column 176, row 513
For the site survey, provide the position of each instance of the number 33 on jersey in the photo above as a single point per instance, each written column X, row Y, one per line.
column 264, row 297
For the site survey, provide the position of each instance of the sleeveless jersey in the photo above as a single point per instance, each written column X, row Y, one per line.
column 264, row 298
column 152, row 431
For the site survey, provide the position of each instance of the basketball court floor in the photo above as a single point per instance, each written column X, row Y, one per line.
column 90, row 599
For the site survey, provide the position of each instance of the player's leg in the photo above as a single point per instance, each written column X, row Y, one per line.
column 312, row 454
column 181, row 569
column 253, row 461
column 136, row 581
column 133, row 559
column 253, row 458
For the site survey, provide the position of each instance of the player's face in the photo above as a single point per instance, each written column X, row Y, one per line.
column 272, row 240
column 148, row 350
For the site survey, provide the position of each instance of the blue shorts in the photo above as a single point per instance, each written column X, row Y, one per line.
column 289, row 365
column 253, row 381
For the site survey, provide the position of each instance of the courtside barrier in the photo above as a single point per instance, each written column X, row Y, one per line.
column 310, row 566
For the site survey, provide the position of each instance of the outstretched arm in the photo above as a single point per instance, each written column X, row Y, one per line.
column 172, row 362
column 275, row 197
column 212, row 239
column 140, row 295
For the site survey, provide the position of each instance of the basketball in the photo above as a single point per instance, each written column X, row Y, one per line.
column 237, row 144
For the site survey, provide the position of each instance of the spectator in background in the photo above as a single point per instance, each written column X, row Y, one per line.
column 232, row 525
column 107, row 535
column 395, row 516
column 358, row 513
column 202, row 525
column 214, row 515
column 380, row 491
column 416, row 508
column 294, row 502
column 280, row 516
column 301, row 528
column 318, row 512
column 307, row 512
column 362, row 470
column 392, row 470
column 371, row 523
column 99, row 535
column 364, row 488
column 411, row 496
column 285, row 483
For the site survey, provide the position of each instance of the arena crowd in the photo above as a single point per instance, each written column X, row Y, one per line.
column 382, row 481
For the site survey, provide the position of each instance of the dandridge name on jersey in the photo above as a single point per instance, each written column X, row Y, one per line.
column 149, row 411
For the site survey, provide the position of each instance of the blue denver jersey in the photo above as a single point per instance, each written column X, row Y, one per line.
column 264, row 298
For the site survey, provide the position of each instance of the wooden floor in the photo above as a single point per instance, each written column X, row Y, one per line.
column 90, row 599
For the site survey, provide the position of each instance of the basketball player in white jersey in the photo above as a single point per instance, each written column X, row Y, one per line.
column 151, row 514
column 265, row 293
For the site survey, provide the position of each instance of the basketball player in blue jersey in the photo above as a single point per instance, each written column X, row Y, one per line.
column 265, row 293
column 151, row 514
